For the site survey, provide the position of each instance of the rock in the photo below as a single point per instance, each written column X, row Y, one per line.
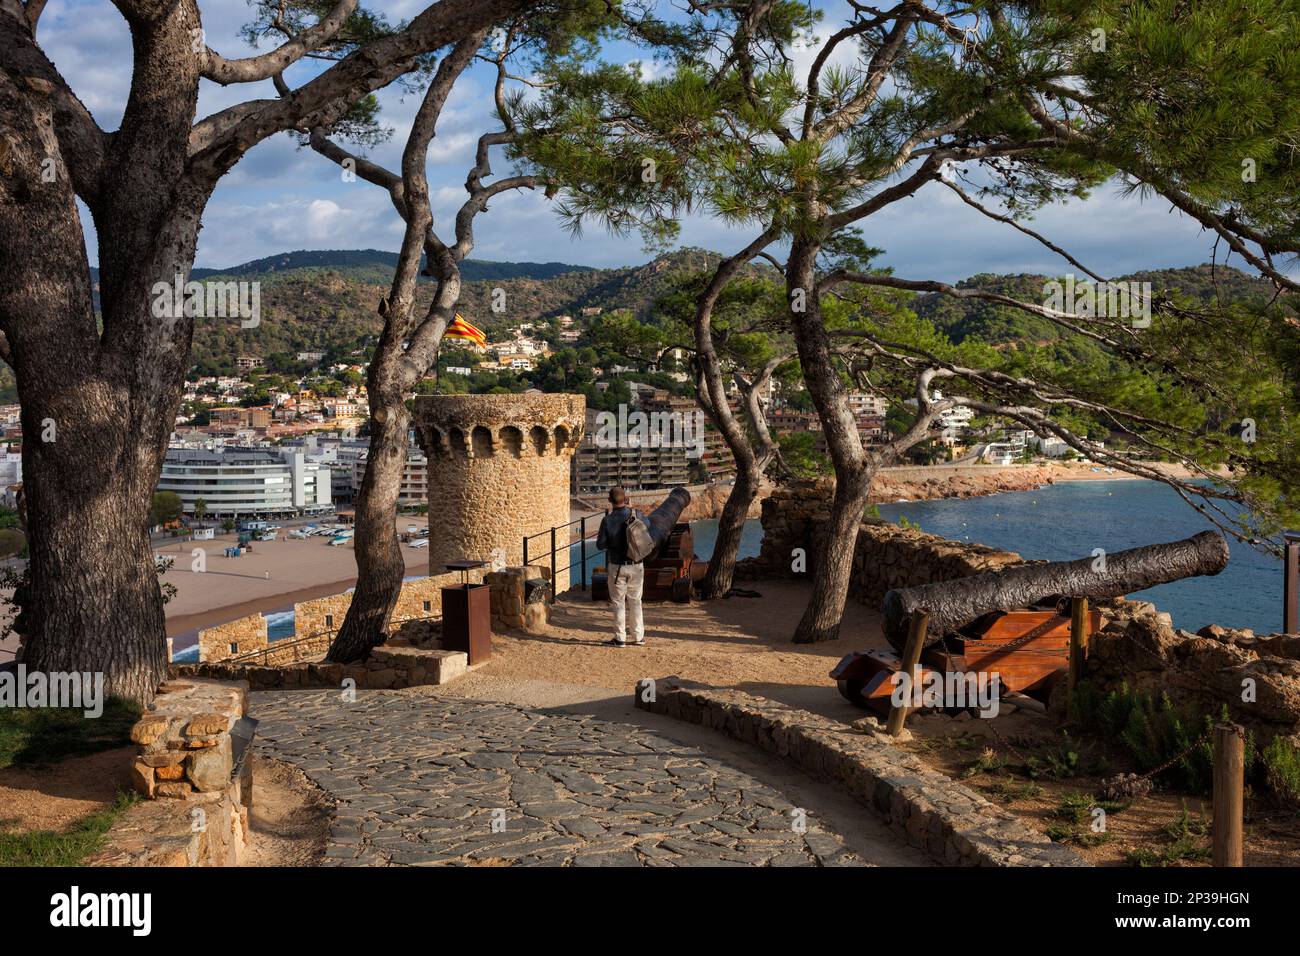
column 203, row 725
column 1125, row 787
column 209, row 769
column 536, row 618
column 142, row 779
column 149, row 729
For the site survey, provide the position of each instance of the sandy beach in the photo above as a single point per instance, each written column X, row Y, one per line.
column 272, row 577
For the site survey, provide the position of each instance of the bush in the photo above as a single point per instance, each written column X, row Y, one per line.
column 1155, row 731
column 12, row 542
column 1281, row 763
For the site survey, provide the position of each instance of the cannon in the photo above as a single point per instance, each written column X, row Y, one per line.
column 668, row 568
column 961, row 601
column 1015, row 621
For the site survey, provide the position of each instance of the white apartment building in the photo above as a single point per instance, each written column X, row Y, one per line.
column 415, row 476
column 239, row 482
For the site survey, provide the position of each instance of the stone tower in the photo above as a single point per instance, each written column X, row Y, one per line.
column 498, row 470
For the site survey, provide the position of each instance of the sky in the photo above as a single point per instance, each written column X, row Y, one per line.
column 282, row 198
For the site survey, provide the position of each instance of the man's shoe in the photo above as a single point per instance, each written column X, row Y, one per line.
column 615, row 642
column 638, row 643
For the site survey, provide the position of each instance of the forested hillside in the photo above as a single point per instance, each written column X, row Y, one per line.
column 327, row 301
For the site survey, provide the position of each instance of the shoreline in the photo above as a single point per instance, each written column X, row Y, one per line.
column 911, row 483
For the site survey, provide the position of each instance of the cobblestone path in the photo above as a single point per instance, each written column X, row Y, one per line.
column 427, row 780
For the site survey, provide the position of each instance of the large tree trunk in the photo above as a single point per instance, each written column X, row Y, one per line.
column 731, row 526
column 96, row 411
column 380, row 563
column 853, row 468
column 95, row 602
column 833, row 565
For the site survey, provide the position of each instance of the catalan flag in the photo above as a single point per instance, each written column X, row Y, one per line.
column 460, row 329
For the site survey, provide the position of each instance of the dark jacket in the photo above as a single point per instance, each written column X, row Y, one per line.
column 611, row 537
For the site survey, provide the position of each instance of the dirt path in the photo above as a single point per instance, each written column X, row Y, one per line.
column 290, row 818
column 738, row 642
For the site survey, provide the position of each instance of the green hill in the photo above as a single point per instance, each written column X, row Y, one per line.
column 328, row 300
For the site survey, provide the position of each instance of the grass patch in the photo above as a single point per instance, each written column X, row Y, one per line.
column 1186, row 841
column 1065, row 760
column 1281, row 761
column 37, row 736
column 987, row 762
column 68, row 848
column 1078, row 807
column 1075, row 816
column 1009, row 791
column 1078, row 835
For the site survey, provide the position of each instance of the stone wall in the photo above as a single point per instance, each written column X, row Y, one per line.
column 195, row 810
column 953, row 824
column 316, row 621
column 885, row 555
column 387, row 668
column 498, row 470
column 511, row 607
column 1140, row 647
column 233, row 638
column 421, row 598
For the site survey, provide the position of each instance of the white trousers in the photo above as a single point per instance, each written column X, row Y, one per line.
column 626, row 582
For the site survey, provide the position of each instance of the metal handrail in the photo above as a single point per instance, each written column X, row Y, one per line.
column 582, row 542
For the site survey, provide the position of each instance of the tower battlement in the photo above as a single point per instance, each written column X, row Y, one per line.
column 498, row 470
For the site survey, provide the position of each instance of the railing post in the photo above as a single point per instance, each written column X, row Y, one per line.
column 582, row 533
column 911, row 657
column 1291, row 583
column 552, row 564
column 1078, row 647
column 525, row 550
column 1229, row 783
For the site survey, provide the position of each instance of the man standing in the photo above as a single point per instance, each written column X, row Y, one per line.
column 626, row 577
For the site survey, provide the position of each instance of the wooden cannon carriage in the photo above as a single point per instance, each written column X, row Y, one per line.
column 1015, row 622
column 668, row 568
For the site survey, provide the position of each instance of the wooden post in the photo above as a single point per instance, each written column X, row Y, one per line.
column 1291, row 584
column 1078, row 642
column 1229, row 785
column 911, row 657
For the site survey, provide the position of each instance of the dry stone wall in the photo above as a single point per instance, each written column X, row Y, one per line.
column 233, row 638
column 387, row 668
column 196, row 808
column 885, row 556
column 953, row 824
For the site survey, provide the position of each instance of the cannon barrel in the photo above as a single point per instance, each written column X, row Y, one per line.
column 954, row 604
column 662, row 519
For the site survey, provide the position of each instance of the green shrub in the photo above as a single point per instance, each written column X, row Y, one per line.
column 1154, row 731
column 1281, row 771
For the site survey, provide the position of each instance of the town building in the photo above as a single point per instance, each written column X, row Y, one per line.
column 415, row 476
column 238, row 482
column 256, row 416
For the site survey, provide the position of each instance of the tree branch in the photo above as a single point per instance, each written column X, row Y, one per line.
column 256, row 68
